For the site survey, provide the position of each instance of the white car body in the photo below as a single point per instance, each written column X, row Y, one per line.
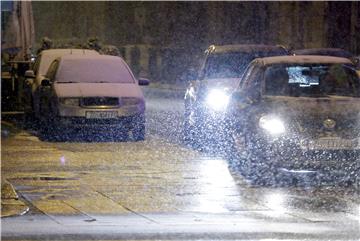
column 93, row 91
column 41, row 66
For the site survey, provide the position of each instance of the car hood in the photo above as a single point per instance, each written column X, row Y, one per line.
column 304, row 106
column 97, row 89
column 224, row 83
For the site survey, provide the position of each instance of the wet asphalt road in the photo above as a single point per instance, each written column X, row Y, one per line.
column 160, row 189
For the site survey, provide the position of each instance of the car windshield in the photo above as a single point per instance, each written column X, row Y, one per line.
column 313, row 80
column 233, row 64
column 49, row 57
column 90, row 70
column 227, row 65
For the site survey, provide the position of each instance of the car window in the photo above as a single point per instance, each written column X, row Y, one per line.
column 246, row 79
column 94, row 70
column 37, row 64
column 52, row 70
column 311, row 80
column 227, row 65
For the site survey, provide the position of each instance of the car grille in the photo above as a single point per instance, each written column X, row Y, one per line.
column 345, row 127
column 100, row 102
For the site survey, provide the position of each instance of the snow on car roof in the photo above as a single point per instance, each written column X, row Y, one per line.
column 94, row 69
column 49, row 55
column 304, row 59
column 247, row 48
column 61, row 52
column 336, row 52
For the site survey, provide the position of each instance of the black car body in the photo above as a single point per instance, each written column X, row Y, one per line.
column 206, row 97
column 297, row 115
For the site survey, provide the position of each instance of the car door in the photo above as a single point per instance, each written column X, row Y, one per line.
column 248, row 94
column 47, row 94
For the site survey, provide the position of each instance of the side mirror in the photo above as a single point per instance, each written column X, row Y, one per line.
column 29, row 74
column 143, row 81
column 46, row 82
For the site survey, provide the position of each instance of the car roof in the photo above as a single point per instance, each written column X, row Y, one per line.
column 303, row 59
column 61, row 52
column 324, row 51
column 246, row 48
column 92, row 57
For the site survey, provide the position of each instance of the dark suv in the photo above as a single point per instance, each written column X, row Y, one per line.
column 206, row 97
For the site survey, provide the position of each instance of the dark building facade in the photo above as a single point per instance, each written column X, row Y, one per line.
column 156, row 37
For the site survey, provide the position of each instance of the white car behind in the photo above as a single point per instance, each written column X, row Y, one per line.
column 39, row 70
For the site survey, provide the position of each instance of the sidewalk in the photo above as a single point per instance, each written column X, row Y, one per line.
column 10, row 203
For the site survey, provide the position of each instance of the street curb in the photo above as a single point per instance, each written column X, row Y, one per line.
column 10, row 203
column 8, row 191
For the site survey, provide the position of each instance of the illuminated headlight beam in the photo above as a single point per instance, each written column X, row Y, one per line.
column 217, row 100
column 272, row 125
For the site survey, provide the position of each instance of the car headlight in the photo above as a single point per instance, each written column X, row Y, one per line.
column 69, row 101
column 217, row 99
column 272, row 124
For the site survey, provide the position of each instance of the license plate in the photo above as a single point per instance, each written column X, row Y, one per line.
column 330, row 143
column 101, row 114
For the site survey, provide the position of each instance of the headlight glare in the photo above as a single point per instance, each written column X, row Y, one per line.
column 217, row 99
column 271, row 124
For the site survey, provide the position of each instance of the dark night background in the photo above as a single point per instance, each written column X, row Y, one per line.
column 162, row 39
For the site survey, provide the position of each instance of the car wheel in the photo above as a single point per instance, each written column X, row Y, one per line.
column 121, row 135
column 259, row 173
column 251, row 165
column 138, row 131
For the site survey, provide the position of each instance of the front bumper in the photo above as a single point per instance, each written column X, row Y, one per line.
column 127, row 122
column 122, row 117
column 288, row 156
column 122, row 111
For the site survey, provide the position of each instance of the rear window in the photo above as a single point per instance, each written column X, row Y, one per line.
column 94, row 71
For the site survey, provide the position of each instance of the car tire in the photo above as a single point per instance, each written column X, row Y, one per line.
column 138, row 131
column 121, row 136
column 246, row 162
column 51, row 131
